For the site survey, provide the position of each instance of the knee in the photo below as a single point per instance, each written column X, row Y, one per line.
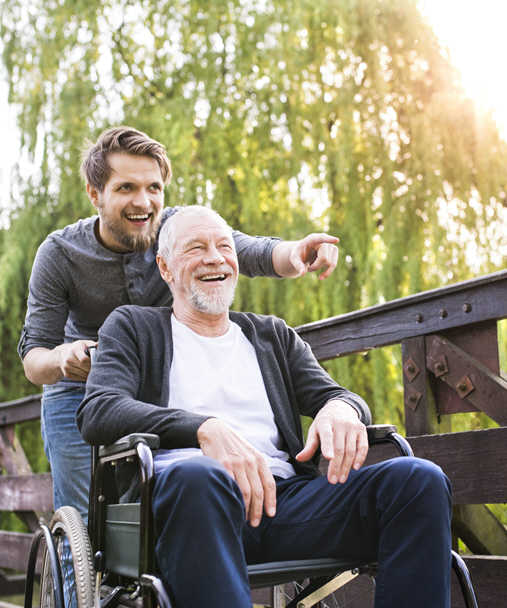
column 422, row 479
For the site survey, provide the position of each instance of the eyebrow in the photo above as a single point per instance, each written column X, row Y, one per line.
column 197, row 239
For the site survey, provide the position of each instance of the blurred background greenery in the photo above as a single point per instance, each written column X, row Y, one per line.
column 345, row 116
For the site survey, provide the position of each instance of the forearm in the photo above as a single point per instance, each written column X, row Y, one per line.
column 42, row 366
column 281, row 260
column 69, row 360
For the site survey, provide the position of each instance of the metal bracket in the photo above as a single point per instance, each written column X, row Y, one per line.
column 441, row 366
column 413, row 399
column 410, row 368
column 464, row 386
column 327, row 589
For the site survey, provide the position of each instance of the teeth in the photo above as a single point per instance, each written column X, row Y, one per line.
column 213, row 277
column 144, row 216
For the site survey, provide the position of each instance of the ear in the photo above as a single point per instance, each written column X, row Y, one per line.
column 165, row 272
column 93, row 195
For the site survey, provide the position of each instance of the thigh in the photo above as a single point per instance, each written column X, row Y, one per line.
column 317, row 519
column 68, row 454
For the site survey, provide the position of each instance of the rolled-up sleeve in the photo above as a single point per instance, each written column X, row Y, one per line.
column 48, row 303
column 255, row 254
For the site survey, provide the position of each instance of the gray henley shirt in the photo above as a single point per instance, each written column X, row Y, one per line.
column 76, row 283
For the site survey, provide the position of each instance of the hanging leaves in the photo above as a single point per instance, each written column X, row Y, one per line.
column 287, row 117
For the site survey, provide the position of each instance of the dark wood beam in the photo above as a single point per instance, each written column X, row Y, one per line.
column 471, row 379
column 435, row 311
column 474, row 461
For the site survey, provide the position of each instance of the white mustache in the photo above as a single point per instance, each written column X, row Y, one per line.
column 202, row 272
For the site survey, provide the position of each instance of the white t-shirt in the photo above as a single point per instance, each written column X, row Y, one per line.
column 221, row 377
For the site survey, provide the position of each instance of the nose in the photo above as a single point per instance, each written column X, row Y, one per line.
column 213, row 256
column 142, row 200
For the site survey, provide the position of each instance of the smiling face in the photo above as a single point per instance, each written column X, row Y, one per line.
column 130, row 206
column 203, row 271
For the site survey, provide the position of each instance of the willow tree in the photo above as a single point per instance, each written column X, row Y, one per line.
column 287, row 117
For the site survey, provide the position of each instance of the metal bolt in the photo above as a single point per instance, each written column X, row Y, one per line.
column 102, row 498
column 440, row 367
column 411, row 369
column 418, row 318
column 114, row 463
column 466, row 307
column 442, row 313
column 462, row 387
column 412, row 398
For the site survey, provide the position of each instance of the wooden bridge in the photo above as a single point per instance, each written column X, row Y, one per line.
column 450, row 362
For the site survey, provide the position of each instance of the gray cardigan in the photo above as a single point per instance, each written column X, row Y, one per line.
column 128, row 388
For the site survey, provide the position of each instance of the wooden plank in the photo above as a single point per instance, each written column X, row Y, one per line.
column 474, row 461
column 489, row 391
column 420, row 407
column 15, row 551
column 12, row 585
column 20, row 410
column 479, row 529
column 489, row 575
column 26, row 492
column 481, row 342
column 473, row 301
column 7, row 604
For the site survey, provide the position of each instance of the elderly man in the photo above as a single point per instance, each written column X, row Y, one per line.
column 234, row 482
column 84, row 271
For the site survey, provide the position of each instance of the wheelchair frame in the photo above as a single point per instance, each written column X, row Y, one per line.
column 114, row 528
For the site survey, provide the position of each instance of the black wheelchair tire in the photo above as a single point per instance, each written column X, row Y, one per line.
column 78, row 581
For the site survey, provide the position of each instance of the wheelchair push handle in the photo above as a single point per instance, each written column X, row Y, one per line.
column 91, row 351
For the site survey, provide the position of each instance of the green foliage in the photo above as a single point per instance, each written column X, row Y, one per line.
column 287, row 117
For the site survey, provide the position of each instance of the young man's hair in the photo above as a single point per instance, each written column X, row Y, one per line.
column 120, row 140
column 166, row 239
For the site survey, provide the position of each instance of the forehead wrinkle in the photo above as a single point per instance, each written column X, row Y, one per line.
column 206, row 235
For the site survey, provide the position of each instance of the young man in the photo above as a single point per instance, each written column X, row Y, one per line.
column 85, row 271
column 234, row 482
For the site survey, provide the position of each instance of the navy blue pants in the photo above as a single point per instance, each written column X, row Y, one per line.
column 399, row 510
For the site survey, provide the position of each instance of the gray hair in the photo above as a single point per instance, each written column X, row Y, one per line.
column 166, row 238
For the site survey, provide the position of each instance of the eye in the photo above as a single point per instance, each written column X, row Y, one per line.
column 157, row 187
column 125, row 187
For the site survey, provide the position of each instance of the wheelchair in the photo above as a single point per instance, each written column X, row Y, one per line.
column 113, row 562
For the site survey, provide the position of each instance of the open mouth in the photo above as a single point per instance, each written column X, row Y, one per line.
column 212, row 277
column 138, row 218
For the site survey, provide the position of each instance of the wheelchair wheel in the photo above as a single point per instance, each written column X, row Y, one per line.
column 360, row 593
column 75, row 560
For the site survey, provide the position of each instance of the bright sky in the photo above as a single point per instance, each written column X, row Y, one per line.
column 473, row 30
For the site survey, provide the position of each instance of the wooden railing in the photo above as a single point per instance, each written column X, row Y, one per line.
column 450, row 365
column 27, row 495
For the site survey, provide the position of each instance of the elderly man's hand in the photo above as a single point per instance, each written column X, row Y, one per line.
column 244, row 463
column 342, row 438
column 314, row 252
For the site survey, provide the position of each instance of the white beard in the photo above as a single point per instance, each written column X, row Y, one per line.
column 214, row 302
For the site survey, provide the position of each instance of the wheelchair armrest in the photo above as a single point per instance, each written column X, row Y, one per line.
column 128, row 442
column 388, row 433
